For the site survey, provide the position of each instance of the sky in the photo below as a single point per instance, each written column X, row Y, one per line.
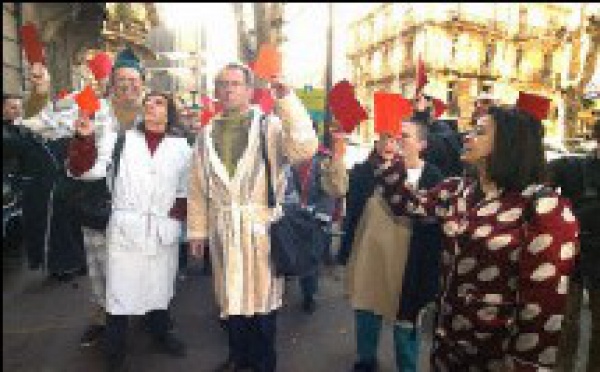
column 303, row 53
column 305, row 50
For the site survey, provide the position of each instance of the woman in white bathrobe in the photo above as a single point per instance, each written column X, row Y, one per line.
column 149, row 204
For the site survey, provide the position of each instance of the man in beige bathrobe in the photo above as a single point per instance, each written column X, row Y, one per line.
column 228, row 211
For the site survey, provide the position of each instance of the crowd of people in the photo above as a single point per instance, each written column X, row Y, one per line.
column 479, row 228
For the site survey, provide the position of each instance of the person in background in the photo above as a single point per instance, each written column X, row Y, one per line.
column 12, row 112
column 318, row 182
column 444, row 143
column 417, row 259
column 149, row 205
column 510, row 245
column 228, row 210
column 53, row 238
column 579, row 180
column 482, row 104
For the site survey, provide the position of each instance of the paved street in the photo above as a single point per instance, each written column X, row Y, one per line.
column 43, row 320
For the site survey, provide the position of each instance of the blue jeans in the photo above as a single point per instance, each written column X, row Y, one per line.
column 406, row 341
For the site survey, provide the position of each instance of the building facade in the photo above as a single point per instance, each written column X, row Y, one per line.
column 71, row 33
column 468, row 49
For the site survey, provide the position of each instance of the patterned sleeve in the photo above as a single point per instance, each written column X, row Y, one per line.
column 82, row 154
column 403, row 199
column 547, row 258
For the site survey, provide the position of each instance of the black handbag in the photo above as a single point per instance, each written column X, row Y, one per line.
column 296, row 236
column 91, row 201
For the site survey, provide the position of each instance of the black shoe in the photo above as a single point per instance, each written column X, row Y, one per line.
column 309, row 305
column 92, row 334
column 365, row 366
column 169, row 344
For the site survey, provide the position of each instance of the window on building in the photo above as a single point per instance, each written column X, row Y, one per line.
column 454, row 44
column 450, row 94
column 547, row 66
column 408, row 47
column 489, row 53
column 452, row 99
column 519, row 57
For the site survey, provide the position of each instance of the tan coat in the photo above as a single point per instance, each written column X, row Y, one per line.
column 233, row 213
column 378, row 259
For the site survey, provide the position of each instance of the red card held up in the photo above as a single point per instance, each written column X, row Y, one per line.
column 34, row 50
column 537, row 106
column 87, row 100
column 390, row 110
column 344, row 106
column 100, row 65
column 439, row 107
column 421, row 75
column 268, row 62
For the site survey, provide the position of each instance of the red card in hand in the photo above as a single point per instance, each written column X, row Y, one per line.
column 268, row 62
column 390, row 110
column 87, row 101
column 537, row 106
column 344, row 106
column 439, row 108
column 100, row 65
column 421, row 75
column 34, row 50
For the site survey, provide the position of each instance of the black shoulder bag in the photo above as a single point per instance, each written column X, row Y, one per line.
column 293, row 237
column 91, row 201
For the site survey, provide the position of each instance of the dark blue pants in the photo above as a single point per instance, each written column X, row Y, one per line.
column 252, row 341
column 117, row 325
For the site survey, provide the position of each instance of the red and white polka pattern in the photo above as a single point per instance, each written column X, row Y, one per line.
column 504, row 278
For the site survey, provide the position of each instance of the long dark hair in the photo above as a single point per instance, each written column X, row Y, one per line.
column 517, row 159
column 172, row 114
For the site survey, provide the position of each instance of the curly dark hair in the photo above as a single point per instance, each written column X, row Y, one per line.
column 517, row 158
column 172, row 114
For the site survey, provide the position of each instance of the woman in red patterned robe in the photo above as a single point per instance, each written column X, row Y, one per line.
column 510, row 243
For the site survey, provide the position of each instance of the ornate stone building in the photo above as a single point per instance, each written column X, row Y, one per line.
column 70, row 33
column 468, row 49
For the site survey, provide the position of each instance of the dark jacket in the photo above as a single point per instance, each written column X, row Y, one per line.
column 360, row 188
column 40, row 164
column 579, row 180
column 421, row 274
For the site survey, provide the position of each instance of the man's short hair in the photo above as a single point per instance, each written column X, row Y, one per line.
column 7, row 96
column 422, row 129
column 248, row 74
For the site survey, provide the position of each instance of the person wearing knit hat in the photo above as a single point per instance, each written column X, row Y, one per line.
column 118, row 112
column 126, row 87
